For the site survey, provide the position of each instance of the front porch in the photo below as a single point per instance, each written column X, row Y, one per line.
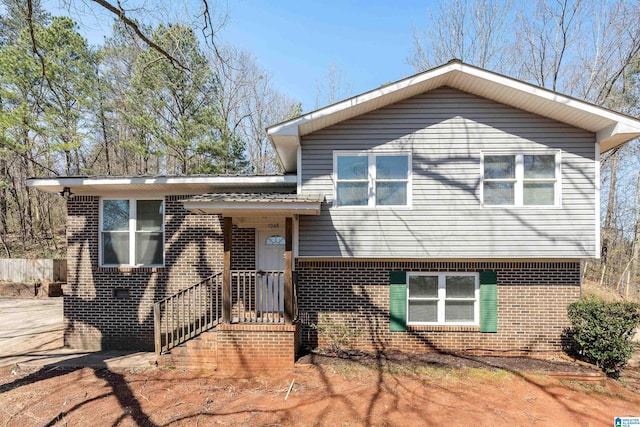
column 252, row 312
column 256, row 298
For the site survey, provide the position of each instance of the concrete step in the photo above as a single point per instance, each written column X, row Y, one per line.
column 193, row 352
column 200, row 343
column 186, row 356
column 169, row 361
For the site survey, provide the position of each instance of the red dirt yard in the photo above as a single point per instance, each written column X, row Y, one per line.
column 343, row 393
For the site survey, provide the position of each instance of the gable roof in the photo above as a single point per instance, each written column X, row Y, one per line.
column 611, row 128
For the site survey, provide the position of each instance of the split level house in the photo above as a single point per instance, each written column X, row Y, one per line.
column 449, row 211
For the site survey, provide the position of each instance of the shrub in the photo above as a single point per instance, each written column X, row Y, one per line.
column 602, row 332
column 340, row 332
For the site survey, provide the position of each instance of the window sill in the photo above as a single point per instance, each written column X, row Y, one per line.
column 370, row 208
column 115, row 269
column 444, row 328
column 523, row 207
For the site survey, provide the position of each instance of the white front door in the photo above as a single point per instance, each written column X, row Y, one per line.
column 270, row 250
column 270, row 292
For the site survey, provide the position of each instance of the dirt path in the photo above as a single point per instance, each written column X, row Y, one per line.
column 340, row 394
column 335, row 395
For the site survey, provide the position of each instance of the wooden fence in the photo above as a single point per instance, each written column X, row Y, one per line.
column 33, row 270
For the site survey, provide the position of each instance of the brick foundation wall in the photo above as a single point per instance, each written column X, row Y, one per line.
column 243, row 347
column 94, row 318
column 532, row 301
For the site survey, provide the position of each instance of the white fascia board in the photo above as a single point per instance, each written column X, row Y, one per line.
column 549, row 95
column 292, row 128
column 285, row 137
column 57, row 184
column 616, row 134
column 619, row 129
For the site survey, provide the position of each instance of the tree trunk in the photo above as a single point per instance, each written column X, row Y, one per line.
column 635, row 248
column 609, row 218
column 3, row 198
column 103, row 127
column 609, row 232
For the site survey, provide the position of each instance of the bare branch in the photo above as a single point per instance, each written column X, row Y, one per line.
column 209, row 30
column 608, row 87
column 32, row 34
column 120, row 13
column 30, row 159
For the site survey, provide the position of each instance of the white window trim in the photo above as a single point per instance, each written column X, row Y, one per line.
column 132, row 231
column 371, row 178
column 442, row 298
column 519, row 178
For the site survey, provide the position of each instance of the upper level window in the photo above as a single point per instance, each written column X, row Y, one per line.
column 372, row 179
column 521, row 179
column 131, row 232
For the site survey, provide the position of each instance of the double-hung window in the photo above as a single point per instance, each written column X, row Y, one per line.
column 372, row 179
column 131, row 232
column 522, row 179
column 443, row 299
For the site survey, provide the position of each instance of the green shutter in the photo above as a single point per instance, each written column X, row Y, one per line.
column 398, row 301
column 488, row 301
column 398, row 277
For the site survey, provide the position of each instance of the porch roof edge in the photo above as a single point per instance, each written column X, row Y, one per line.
column 255, row 204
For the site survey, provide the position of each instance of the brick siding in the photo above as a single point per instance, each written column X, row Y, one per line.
column 244, row 347
column 532, row 301
column 94, row 317
column 531, row 308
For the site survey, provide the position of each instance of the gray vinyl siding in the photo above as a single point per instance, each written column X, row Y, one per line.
column 446, row 130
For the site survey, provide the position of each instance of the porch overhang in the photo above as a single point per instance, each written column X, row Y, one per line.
column 255, row 204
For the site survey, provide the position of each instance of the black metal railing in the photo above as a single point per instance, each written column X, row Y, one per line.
column 187, row 313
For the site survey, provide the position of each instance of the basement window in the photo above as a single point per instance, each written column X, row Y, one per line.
column 443, row 299
column 121, row 293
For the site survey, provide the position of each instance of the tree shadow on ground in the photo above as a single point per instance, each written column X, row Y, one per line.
column 119, row 388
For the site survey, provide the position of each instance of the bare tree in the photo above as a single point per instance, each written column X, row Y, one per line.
column 209, row 18
column 475, row 32
column 635, row 246
column 544, row 39
column 249, row 103
column 333, row 88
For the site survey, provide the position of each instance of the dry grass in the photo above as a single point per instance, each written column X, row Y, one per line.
column 591, row 288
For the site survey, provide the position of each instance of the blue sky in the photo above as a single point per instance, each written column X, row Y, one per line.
column 297, row 41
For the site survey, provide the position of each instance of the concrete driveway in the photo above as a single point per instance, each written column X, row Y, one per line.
column 31, row 334
column 29, row 326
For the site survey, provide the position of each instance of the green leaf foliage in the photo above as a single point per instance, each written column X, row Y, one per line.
column 602, row 332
